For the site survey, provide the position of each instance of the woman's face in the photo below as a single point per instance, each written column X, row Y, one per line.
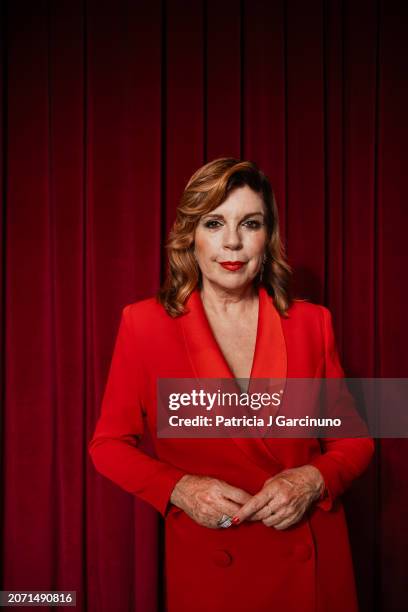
column 235, row 231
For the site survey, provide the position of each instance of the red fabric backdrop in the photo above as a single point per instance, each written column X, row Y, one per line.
column 107, row 109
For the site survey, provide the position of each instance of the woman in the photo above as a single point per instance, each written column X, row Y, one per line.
column 252, row 524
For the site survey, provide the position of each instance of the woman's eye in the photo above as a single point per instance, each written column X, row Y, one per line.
column 253, row 224
column 211, row 224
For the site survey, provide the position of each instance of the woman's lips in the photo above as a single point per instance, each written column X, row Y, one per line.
column 232, row 265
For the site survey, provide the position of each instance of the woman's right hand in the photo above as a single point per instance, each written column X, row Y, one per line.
column 206, row 499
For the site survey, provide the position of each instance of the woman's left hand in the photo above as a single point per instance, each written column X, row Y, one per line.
column 284, row 498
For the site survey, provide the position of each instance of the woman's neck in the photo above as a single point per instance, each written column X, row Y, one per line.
column 225, row 302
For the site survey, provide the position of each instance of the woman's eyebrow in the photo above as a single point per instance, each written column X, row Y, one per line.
column 214, row 216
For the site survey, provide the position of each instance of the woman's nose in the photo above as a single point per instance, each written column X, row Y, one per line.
column 232, row 238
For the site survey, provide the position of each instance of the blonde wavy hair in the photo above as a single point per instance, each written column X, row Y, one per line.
column 209, row 186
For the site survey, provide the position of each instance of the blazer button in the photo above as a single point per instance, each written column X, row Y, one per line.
column 302, row 552
column 222, row 558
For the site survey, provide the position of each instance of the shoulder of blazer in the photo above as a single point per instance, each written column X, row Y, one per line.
column 146, row 313
column 307, row 315
column 302, row 309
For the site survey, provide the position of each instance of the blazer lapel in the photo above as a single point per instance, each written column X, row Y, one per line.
column 269, row 362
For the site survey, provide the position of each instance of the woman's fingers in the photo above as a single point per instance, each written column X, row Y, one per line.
column 254, row 504
column 284, row 521
column 217, row 498
column 227, row 507
column 232, row 501
column 281, row 524
column 265, row 512
column 206, row 499
column 234, row 493
column 286, row 516
column 277, row 499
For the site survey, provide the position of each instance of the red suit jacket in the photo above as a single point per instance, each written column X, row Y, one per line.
column 249, row 568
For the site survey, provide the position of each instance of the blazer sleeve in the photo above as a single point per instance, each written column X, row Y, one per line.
column 114, row 445
column 342, row 459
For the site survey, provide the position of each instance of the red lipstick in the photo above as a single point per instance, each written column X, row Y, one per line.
column 232, row 265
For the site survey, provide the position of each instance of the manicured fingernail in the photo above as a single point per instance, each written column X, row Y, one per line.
column 235, row 520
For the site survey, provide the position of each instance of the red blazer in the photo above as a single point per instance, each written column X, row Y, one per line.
column 251, row 567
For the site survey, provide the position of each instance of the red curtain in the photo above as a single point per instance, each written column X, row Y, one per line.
column 107, row 109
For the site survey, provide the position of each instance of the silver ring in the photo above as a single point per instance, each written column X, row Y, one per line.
column 225, row 521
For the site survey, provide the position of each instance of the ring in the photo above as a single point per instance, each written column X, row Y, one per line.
column 225, row 521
